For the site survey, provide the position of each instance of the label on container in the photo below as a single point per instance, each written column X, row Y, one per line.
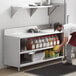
column 54, row 42
column 58, row 42
column 37, row 46
column 51, row 43
column 40, row 45
column 33, row 46
column 47, row 44
column 44, row 44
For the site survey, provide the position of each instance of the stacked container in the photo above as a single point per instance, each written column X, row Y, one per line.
column 42, row 42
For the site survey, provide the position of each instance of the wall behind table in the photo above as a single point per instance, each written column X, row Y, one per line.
column 71, row 11
column 21, row 18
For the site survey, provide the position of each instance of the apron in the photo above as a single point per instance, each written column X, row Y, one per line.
column 73, row 39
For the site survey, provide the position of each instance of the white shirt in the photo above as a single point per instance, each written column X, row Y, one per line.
column 68, row 29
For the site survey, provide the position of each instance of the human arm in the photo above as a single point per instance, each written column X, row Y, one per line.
column 65, row 36
column 65, row 40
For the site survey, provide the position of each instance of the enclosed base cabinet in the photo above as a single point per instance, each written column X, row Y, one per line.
column 24, row 49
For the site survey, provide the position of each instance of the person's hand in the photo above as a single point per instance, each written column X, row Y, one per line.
column 59, row 48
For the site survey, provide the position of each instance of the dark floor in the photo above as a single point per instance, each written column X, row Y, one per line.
column 55, row 70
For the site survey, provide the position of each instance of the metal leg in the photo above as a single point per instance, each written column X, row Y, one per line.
column 62, row 60
column 7, row 66
column 18, row 69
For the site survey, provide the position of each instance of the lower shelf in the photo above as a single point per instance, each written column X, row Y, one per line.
column 40, row 61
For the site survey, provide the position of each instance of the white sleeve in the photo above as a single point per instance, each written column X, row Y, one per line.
column 66, row 32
